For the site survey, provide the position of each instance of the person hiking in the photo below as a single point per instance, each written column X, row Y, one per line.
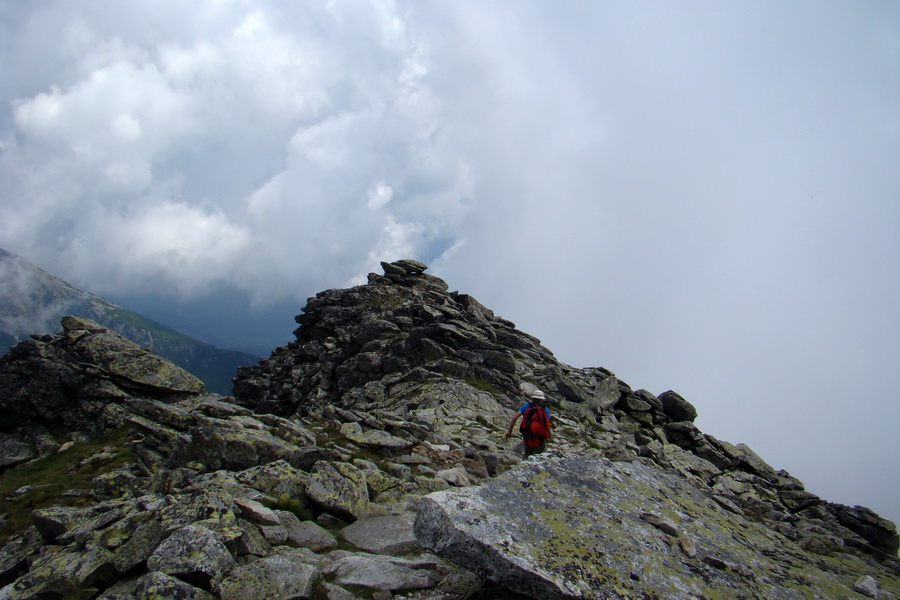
column 535, row 424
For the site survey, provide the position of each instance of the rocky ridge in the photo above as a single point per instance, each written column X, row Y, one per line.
column 32, row 302
column 392, row 403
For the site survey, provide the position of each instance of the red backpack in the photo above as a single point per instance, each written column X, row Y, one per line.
column 535, row 426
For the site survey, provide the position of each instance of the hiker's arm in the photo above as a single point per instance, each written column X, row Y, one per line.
column 512, row 424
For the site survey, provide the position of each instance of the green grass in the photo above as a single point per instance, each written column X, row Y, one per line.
column 303, row 510
column 55, row 474
column 484, row 385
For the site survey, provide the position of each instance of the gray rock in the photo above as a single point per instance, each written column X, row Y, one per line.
column 54, row 521
column 157, row 585
column 114, row 484
column 411, row 266
column 881, row 533
column 867, row 586
column 139, row 545
column 586, row 514
column 399, row 471
column 661, row 522
column 277, row 479
column 199, row 504
column 238, row 448
column 13, row 561
column 461, row 582
column 340, row 488
column 276, row 535
column 373, row 437
column 306, row 534
column 14, row 450
column 383, row 535
column 125, row 589
column 251, row 541
column 193, row 554
column 52, row 574
column 120, row 357
column 277, row 577
column 677, row 408
column 336, row 592
column 256, row 512
column 375, row 571
column 457, row 476
column 633, row 403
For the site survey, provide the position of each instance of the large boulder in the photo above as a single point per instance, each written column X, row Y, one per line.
column 281, row 576
column 567, row 526
column 125, row 360
column 193, row 554
column 677, row 408
column 340, row 489
column 86, row 380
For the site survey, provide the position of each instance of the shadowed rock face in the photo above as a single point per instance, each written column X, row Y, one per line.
column 64, row 382
column 390, row 406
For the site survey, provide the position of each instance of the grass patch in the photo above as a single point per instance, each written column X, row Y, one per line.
column 303, row 510
column 55, row 474
column 483, row 384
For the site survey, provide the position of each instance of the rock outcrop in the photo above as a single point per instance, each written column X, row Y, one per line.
column 366, row 459
column 75, row 382
column 569, row 526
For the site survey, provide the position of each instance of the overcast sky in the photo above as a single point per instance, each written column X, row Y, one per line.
column 701, row 196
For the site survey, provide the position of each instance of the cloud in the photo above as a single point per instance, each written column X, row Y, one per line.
column 700, row 197
column 23, row 292
column 279, row 127
column 168, row 243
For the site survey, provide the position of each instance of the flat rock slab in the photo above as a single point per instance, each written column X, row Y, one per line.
column 375, row 571
column 373, row 437
column 383, row 535
column 568, row 526
column 281, row 576
column 123, row 358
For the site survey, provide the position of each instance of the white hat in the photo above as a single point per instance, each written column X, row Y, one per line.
column 537, row 394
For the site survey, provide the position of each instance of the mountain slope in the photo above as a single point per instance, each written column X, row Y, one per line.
column 32, row 302
column 383, row 426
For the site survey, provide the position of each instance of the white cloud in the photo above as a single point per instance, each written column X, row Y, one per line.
column 379, row 195
column 168, row 244
column 281, row 117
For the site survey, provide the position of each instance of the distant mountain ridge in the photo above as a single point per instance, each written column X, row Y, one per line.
column 33, row 301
